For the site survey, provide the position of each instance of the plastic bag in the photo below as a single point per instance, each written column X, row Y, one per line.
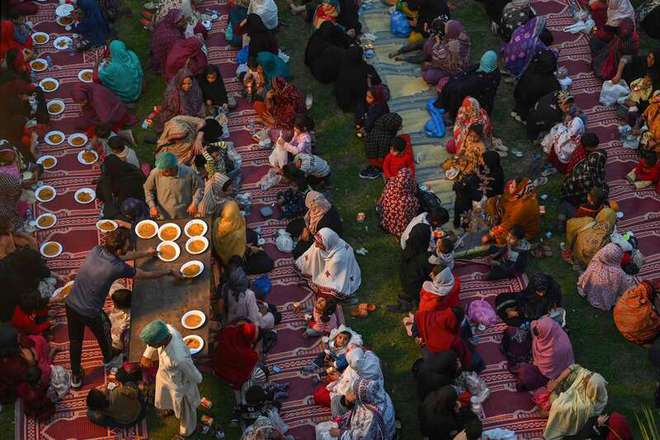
column 229, row 33
column 499, row 434
column 279, row 157
column 269, row 180
column 611, row 94
column 242, row 55
column 476, row 386
column 435, row 127
column 323, row 430
column 481, row 312
column 399, row 24
column 284, row 242
column 262, row 287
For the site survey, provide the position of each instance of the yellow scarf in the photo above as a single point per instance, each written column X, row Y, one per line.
column 229, row 237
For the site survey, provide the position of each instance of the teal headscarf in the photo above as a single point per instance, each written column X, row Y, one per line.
column 123, row 74
column 166, row 161
column 154, row 333
column 273, row 65
column 488, row 62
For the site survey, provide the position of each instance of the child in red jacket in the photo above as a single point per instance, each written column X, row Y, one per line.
column 400, row 156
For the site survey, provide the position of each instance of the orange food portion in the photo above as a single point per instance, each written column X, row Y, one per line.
column 146, row 230
column 87, row 156
column 87, row 76
column 167, row 252
column 46, row 221
column 49, row 162
column 46, row 193
column 65, row 21
column 51, row 249
column 55, row 108
column 196, row 229
column 191, row 270
column 55, row 138
column 38, row 65
column 196, row 246
column 106, row 226
column 192, row 343
column 193, row 320
column 84, row 197
column 40, row 39
column 49, row 85
column 78, row 141
column 169, row 233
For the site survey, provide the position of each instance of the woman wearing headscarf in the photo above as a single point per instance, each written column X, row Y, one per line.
column 165, row 34
column 183, row 96
column 354, row 79
column 100, row 106
column 376, row 99
column 267, row 12
column 470, row 114
column 552, row 353
column 398, row 203
column 327, row 10
column 325, row 46
column 491, row 174
column 608, row 48
column 92, row 26
column 273, row 66
column 587, row 174
column 330, row 266
column 604, row 280
column 563, row 140
column 480, row 82
column 235, row 356
column 441, row 416
column 229, row 237
column 585, row 236
column 635, row 315
column 515, row 14
column 442, row 292
column 371, row 415
column 122, row 74
column 449, row 55
column 213, row 88
column 518, row 205
column 240, row 302
column 537, row 83
column 283, row 103
column 185, row 54
column 527, row 42
column 435, row 371
column 183, row 137
column 348, row 16
column 237, row 14
column 9, row 41
column 440, row 330
column 414, row 268
column 261, row 38
column 119, row 181
column 320, row 214
column 541, row 296
column 378, row 142
column 10, row 186
column 577, row 395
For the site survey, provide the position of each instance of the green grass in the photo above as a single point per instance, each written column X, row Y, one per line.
column 596, row 342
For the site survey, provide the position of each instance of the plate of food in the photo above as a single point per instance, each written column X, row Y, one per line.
column 40, row 38
column 87, row 157
column 85, row 195
column 106, row 225
column 168, row 251
column 64, row 10
column 49, row 85
column 86, row 75
column 46, row 221
column 47, row 161
column 146, row 229
column 64, row 21
column 63, row 42
column 77, row 139
column 194, row 343
column 51, row 249
column 193, row 319
column 38, row 65
column 195, row 228
column 169, row 232
column 191, row 269
column 54, row 137
column 55, row 107
column 62, row 292
column 197, row 245
column 45, row 193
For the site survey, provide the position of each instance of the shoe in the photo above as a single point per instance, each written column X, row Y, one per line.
column 77, row 380
column 370, row 173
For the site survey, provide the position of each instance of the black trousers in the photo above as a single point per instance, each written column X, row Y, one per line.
column 100, row 327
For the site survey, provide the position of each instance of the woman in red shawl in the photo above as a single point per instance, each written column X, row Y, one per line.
column 443, row 292
column 166, row 33
column 8, row 39
column 100, row 106
column 398, row 204
column 235, row 357
column 185, row 53
column 283, row 102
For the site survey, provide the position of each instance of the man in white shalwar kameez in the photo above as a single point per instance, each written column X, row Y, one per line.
column 177, row 377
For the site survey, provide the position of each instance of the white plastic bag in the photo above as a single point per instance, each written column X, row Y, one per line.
column 499, row 434
column 279, row 157
column 269, row 180
column 323, row 430
column 610, row 94
column 284, row 242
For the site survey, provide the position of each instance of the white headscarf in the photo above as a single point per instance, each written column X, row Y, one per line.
column 355, row 341
column 333, row 267
column 618, row 10
column 267, row 10
column 442, row 283
column 362, row 364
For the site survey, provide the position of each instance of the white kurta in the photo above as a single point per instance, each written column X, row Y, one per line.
column 176, row 381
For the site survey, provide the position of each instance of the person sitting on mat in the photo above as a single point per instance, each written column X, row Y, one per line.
column 400, row 156
column 510, row 260
column 119, row 407
column 647, row 172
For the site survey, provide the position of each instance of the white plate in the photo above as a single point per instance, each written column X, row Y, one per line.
column 40, row 33
column 39, row 60
column 191, row 313
column 192, row 263
column 41, row 249
column 42, row 159
column 619, row 214
column 59, row 290
column 37, row 193
column 200, row 238
column 54, row 132
column 85, row 190
column 75, row 136
column 48, row 214
column 55, row 101
column 61, row 22
column 151, row 222
column 199, row 339
column 41, row 84
column 195, row 222
column 105, row 231
column 63, row 42
column 82, row 72
column 167, row 225
column 64, row 10
column 176, row 247
column 81, row 159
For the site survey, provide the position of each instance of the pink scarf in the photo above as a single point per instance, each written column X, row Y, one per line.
column 551, row 347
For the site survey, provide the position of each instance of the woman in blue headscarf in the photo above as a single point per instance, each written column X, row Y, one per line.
column 93, row 26
column 122, row 73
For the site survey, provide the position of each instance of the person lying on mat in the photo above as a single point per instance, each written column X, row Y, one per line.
column 119, row 407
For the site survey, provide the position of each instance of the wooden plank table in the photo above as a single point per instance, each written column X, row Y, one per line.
column 167, row 298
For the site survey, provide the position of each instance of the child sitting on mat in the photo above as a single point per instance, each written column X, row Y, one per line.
column 120, row 318
column 511, row 259
column 646, row 172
